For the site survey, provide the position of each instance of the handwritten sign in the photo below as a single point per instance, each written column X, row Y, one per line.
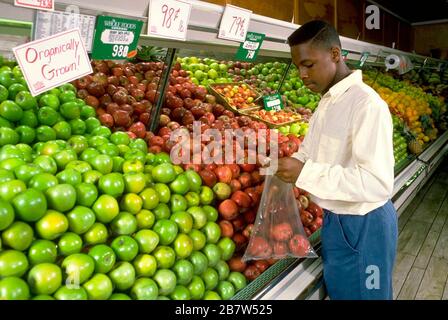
column 234, row 23
column 169, row 19
column 50, row 62
column 35, row 4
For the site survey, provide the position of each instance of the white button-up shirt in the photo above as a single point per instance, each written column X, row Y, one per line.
column 348, row 150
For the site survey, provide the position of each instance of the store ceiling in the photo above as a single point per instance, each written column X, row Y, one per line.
column 417, row 11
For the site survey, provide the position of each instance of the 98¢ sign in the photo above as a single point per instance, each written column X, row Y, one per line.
column 116, row 38
column 169, row 19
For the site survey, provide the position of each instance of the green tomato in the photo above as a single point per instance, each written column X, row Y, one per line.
column 42, row 251
column 80, row 219
column 26, row 134
column 13, row 263
column 25, row 100
column 125, row 247
column 104, row 258
column 111, row 184
column 52, row 225
column 47, row 116
column 69, row 243
column 6, row 214
column 30, row 205
column 14, row 288
column 49, row 100
column 8, row 136
column 45, row 278
column 43, row 181
column 61, row 198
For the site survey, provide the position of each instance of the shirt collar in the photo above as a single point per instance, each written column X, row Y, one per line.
column 343, row 85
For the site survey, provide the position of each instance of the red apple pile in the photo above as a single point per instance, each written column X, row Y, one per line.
column 123, row 94
column 310, row 213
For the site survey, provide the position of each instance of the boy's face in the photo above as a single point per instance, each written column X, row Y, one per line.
column 317, row 66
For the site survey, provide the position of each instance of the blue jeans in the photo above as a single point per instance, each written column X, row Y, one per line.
column 358, row 254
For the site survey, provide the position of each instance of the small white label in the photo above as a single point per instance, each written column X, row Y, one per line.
column 117, row 37
column 250, row 45
column 53, row 61
column 169, row 19
column 272, row 103
column 234, row 23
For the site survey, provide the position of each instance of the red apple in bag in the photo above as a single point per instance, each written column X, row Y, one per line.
column 299, row 245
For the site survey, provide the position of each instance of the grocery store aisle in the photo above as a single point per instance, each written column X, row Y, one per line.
column 421, row 269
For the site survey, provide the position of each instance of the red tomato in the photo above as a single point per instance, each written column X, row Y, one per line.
column 299, row 245
column 259, row 247
column 280, row 249
column 281, row 232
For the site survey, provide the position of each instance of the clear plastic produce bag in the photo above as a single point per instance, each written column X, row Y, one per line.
column 278, row 231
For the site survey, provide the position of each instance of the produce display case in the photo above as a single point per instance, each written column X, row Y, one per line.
column 228, row 104
column 288, row 278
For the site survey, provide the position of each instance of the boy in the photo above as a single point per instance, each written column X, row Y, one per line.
column 346, row 162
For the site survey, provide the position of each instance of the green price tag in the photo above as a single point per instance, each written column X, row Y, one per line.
column 344, row 54
column 273, row 102
column 116, row 38
column 248, row 49
column 363, row 58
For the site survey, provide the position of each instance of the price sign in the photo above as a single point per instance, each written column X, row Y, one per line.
column 50, row 62
column 234, row 23
column 344, row 54
column 48, row 23
column 169, row 19
column 273, row 102
column 363, row 58
column 35, row 4
column 248, row 50
column 116, row 38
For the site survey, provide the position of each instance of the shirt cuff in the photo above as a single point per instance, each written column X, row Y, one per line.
column 299, row 156
column 304, row 176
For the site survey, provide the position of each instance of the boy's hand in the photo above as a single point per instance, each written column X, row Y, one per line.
column 289, row 169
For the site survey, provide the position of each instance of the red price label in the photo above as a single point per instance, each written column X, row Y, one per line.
column 234, row 23
column 237, row 26
column 35, row 4
column 168, row 19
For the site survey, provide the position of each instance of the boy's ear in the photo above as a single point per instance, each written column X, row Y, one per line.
column 335, row 54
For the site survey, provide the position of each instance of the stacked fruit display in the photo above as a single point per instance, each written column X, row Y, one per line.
column 400, row 142
column 299, row 129
column 410, row 104
column 238, row 96
column 275, row 118
column 113, row 219
column 122, row 94
column 205, row 71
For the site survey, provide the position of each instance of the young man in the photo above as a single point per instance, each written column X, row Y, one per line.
column 346, row 162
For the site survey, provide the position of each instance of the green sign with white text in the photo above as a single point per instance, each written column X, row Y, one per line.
column 248, row 49
column 273, row 102
column 116, row 38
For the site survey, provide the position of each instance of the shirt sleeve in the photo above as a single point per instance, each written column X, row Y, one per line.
column 372, row 177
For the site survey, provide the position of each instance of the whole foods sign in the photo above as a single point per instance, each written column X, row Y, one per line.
column 50, row 62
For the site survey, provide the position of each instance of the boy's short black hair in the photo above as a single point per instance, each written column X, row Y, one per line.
column 319, row 32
